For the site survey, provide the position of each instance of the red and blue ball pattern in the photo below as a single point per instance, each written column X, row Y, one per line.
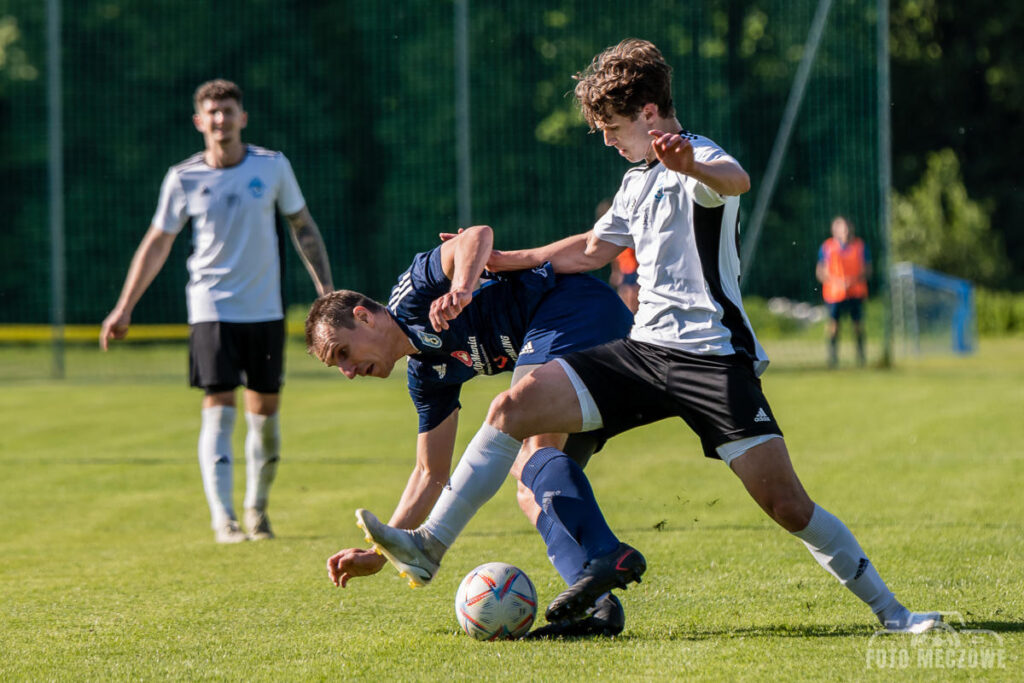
column 496, row 601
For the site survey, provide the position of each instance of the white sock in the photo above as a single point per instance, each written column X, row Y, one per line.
column 478, row 476
column 218, row 422
column 835, row 549
column 262, row 453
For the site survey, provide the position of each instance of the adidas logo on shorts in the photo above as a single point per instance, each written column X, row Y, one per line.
column 762, row 416
column 527, row 348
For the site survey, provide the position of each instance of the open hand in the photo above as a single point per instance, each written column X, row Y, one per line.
column 350, row 562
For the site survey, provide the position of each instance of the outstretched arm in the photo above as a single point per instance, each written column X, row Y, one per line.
column 434, row 451
column 310, row 245
column 462, row 258
column 724, row 176
column 576, row 254
column 149, row 258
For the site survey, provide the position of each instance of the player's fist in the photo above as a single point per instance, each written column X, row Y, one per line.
column 350, row 562
column 445, row 236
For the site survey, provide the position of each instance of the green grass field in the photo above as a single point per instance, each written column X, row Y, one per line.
column 108, row 570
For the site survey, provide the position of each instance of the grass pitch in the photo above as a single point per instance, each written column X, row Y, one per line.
column 108, row 570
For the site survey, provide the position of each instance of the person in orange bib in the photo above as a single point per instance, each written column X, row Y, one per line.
column 844, row 266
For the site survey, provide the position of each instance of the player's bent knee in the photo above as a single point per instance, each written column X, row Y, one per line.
column 505, row 414
column 792, row 512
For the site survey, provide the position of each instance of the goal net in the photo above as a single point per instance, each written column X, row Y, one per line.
column 932, row 312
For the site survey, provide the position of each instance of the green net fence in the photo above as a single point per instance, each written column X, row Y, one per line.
column 361, row 97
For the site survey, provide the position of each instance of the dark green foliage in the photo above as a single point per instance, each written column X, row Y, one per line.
column 360, row 96
column 999, row 313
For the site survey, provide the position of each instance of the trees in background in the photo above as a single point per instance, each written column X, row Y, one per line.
column 359, row 95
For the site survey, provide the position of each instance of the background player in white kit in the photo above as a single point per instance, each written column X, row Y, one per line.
column 230, row 192
column 691, row 353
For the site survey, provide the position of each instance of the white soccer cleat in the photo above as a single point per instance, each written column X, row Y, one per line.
column 400, row 547
column 230, row 532
column 914, row 622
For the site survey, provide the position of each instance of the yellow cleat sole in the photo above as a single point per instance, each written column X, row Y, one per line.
column 414, row 582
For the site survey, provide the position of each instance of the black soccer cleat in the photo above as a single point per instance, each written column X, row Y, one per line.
column 600, row 575
column 606, row 618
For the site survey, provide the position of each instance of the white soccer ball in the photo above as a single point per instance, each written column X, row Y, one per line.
column 496, row 601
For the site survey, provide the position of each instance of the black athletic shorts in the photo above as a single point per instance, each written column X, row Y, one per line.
column 851, row 307
column 635, row 383
column 222, row 356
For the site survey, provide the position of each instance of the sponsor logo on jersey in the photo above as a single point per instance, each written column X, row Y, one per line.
column 506, row 344
column 441, row 370
column 527, row 348
column 256, row 187
column 474, row 352
column 501, row 362
column 762, row 416
column 431, row 340
column 463, row 357
column 540, row 270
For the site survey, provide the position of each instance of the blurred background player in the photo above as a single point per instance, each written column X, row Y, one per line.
column 230, row 193
column 452, row 330
column 844, row 266
column 623, row 276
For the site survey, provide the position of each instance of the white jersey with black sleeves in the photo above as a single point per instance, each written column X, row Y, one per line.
column 235, row 264
column 685, row 236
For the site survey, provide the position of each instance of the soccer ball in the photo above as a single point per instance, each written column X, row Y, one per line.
column 496, row 601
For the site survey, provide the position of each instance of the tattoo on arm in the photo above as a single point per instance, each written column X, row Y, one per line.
column 310, row 245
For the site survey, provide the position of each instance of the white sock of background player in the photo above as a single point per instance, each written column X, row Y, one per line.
column 218, row 423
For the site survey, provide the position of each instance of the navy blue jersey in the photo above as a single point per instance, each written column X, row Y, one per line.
column 526, row 316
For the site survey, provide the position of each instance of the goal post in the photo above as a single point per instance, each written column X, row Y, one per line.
column 932, row 312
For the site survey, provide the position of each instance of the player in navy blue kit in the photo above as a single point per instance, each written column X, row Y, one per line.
column 691, row 353
column 451, row 330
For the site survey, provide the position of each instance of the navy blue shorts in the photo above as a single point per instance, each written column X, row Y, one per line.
column 223, row 356
column 851, row 307
column 580, row 312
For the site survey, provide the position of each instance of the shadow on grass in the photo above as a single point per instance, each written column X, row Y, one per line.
column 771, row 631
column 996, row 626
column 777, row 631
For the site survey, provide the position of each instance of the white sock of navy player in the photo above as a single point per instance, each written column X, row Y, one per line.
column 218, row 422
column 262, row 453
column 834, row 547
column 478, row 476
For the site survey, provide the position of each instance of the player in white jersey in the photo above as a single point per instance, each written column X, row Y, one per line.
column 230, row 193
column 691, row 353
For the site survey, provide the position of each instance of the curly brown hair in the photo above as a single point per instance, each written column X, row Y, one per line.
column 216, row 90
column 622, row 79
